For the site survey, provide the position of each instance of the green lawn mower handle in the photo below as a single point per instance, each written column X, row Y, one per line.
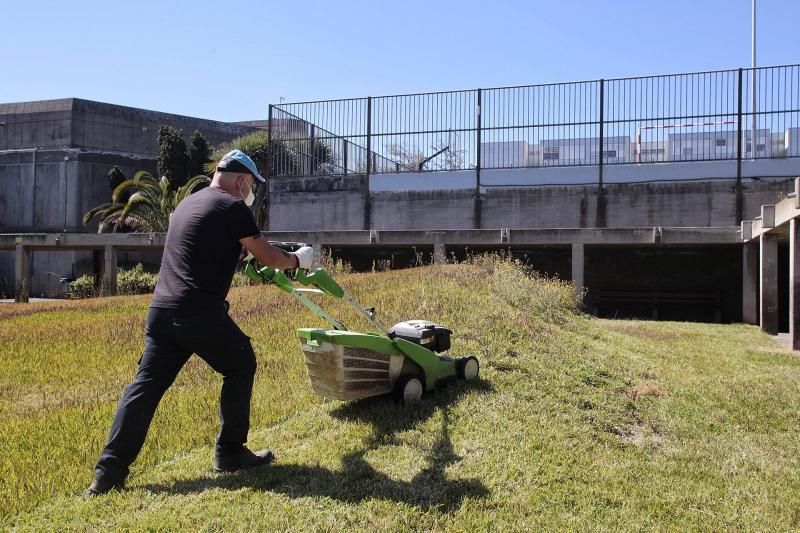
column 265, row 274
column 320, row 279
column 323, row 281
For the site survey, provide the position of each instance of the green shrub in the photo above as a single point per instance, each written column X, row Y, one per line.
column 83, row 287
column 136, row 281
column 129, row 281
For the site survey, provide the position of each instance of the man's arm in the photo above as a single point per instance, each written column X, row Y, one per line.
column 269, row 255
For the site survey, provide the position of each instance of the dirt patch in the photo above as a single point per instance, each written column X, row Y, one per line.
column 645, row 388
column 644, row 436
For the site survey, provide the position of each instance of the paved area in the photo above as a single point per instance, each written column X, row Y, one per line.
column 785, row 339
column 31, row 300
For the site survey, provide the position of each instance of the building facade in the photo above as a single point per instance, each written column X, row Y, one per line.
column 55, row 156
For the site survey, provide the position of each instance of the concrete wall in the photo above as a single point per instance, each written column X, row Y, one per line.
column 323, row 203
column 53, row 194
column 54, row 160
column 704, row 204
column 77, row 123
column 442, row 209
column 64, row 186
column 36, row 124
column 110, row 127
column 340, row 203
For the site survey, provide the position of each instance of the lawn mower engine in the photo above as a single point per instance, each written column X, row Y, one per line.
column 432, row 336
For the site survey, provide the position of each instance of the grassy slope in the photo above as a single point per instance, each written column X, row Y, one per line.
column 577, row 422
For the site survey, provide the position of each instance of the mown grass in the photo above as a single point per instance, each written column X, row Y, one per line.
column 577, row 423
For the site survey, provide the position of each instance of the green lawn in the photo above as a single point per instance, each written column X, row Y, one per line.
column 577, row 423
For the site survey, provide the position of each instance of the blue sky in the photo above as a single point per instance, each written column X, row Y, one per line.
column 229, row 60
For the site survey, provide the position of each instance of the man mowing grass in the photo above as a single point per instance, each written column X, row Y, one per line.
column 189, row 314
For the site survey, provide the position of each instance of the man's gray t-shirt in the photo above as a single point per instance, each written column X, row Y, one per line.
column 202, row 250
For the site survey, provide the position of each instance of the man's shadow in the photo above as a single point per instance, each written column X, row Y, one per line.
column 357, row 480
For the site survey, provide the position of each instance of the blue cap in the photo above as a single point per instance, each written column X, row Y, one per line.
column 238, row 161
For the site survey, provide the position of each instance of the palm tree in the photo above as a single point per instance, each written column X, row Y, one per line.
column 147, row 209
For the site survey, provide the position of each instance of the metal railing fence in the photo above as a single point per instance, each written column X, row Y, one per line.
column 702, row 116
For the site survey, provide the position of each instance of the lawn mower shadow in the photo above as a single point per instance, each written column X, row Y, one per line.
column 389, row 418
column 358, row 480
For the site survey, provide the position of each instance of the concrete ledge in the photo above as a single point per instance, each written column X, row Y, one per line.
column 487, row 237
column 519, row 237
column 83, row 241
column 774, row 218
column 422, row 181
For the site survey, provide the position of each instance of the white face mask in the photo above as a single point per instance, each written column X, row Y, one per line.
column 248, row 201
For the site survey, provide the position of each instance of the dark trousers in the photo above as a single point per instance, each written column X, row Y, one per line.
column 172, row 337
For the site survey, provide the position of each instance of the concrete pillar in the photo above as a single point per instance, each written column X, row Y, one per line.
column 794, row 284
column 439, row 253
column 769, row 283
column 750, row 283
column 578, row 267
column 318, row 252
column 109, row 270
column 22, row 273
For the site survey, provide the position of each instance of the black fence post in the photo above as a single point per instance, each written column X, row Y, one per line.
column 311, row 151
column 739, row 192
column 369, row 135
column 270, row 171
column 602, row 124
column 477, row 202
column 367, row 197
column 269, row 168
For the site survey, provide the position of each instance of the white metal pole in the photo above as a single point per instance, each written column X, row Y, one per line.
column 638, row 144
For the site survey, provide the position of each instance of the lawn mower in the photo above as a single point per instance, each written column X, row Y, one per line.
column 403, row 360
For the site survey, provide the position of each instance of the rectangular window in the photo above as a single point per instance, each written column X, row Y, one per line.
column 609, row 153
column 686, row 151
column 722, row 142
column 551, row 154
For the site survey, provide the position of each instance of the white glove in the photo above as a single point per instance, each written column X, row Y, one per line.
column 305, row 257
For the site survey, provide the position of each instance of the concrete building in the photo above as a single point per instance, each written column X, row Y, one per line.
column 651, row 152
column 792, row 142
column 583, row 151
column 505, row 154
column 693, row 146
column 54, row 160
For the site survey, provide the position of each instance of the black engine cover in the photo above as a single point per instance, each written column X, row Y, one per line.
column 423, row 332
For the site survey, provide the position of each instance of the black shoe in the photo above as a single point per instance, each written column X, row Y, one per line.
column 101, row 486
column 242, row 459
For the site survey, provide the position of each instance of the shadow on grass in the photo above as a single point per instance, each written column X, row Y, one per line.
column 357, row 480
